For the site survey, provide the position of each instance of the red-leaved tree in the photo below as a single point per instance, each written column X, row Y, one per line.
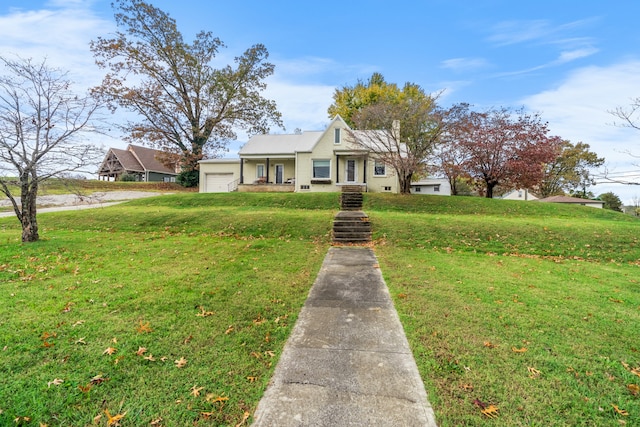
column 502, row 147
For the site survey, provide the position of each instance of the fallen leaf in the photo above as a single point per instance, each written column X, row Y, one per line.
column 150, row 358
column 533, row 372
column 56, row 381
column 634, row 389
column 467, row 387
column 110, row 350
column 220, row 399
column 85, row 388
column 144, row 328
column 98, row 379
column 245, row 417
column 490, row 411
column 157, row 422
column 519, row 350
column 195, row 390
column 80, row 341
column 67, row 308
column 489, row 344
column 78, row 323
column 180, row 363
column 187, row 339
column 259, row 320
column 114, row 420
column 620, row 411
column 204, row 313
column 229, row 330
column 402, row 296
column 252, row 379
column 141, row 351
column 164, row 358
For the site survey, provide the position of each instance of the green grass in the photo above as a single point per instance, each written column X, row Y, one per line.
column 219, row 280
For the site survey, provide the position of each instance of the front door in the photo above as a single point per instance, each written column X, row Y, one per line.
column 351, row 171
column 279, row 174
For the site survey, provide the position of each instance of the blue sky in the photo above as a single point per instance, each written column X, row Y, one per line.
column 571, row 61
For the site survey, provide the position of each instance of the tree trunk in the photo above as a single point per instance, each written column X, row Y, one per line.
column 28, row 219
column 490, row 190
column 405, row 184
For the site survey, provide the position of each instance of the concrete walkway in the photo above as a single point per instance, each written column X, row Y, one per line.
column 347, row 362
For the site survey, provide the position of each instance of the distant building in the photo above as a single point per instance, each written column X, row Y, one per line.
column 437, row 186
column 573, row 201
column 519, row 194
column 143, row 163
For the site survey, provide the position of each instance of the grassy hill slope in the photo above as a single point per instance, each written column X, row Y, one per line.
column 177, row 307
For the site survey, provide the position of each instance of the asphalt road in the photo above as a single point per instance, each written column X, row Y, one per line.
column 65, row 202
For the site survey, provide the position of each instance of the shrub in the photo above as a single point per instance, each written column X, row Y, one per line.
column 188, row 178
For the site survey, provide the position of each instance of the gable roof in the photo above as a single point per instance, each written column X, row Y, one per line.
column 139, row 159
column 287, row 144
column 148, row 159
column 127, row 160
column 280, row 144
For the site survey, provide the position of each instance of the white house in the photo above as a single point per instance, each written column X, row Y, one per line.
column 573, row 201
column 437, row 186
column 317, row 161
column 519, row 194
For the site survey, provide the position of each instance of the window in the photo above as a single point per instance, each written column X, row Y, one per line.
column 387, row 188
column 436, row 188
column 379, row 168
column 321, row 169
column 336, row 139
column 260, row 171
column 418, row 189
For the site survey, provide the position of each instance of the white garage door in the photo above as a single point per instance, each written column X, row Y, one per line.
column 218, row 182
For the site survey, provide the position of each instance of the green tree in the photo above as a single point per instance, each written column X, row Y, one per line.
column 184, row 105
column 43, row 126
column 570, row 171
column 400, row 126
column 611, row 201
column 349, row 100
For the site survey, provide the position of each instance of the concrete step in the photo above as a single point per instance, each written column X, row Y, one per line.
column 351, row 227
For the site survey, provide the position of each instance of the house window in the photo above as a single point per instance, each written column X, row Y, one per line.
column 436, row 188
column 336, row 139
column 418, row 189
column 260, row 171
column 321, row 169
column 387, row 188
column 304, row 187
column 379, row 168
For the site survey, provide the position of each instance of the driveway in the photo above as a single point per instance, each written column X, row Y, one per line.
column 65, row 202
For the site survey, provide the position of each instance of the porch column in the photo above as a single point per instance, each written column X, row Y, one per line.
column 241, row 171
column 366, row 160
column 267, row 170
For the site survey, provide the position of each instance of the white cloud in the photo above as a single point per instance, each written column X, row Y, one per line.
column 302, row 106
column 61, row 34
column 464, row 64
column 578, row 110
column 572, row 55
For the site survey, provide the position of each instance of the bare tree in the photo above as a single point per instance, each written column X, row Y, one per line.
column 630, row 115
column 402, row 134
column 42, row 124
